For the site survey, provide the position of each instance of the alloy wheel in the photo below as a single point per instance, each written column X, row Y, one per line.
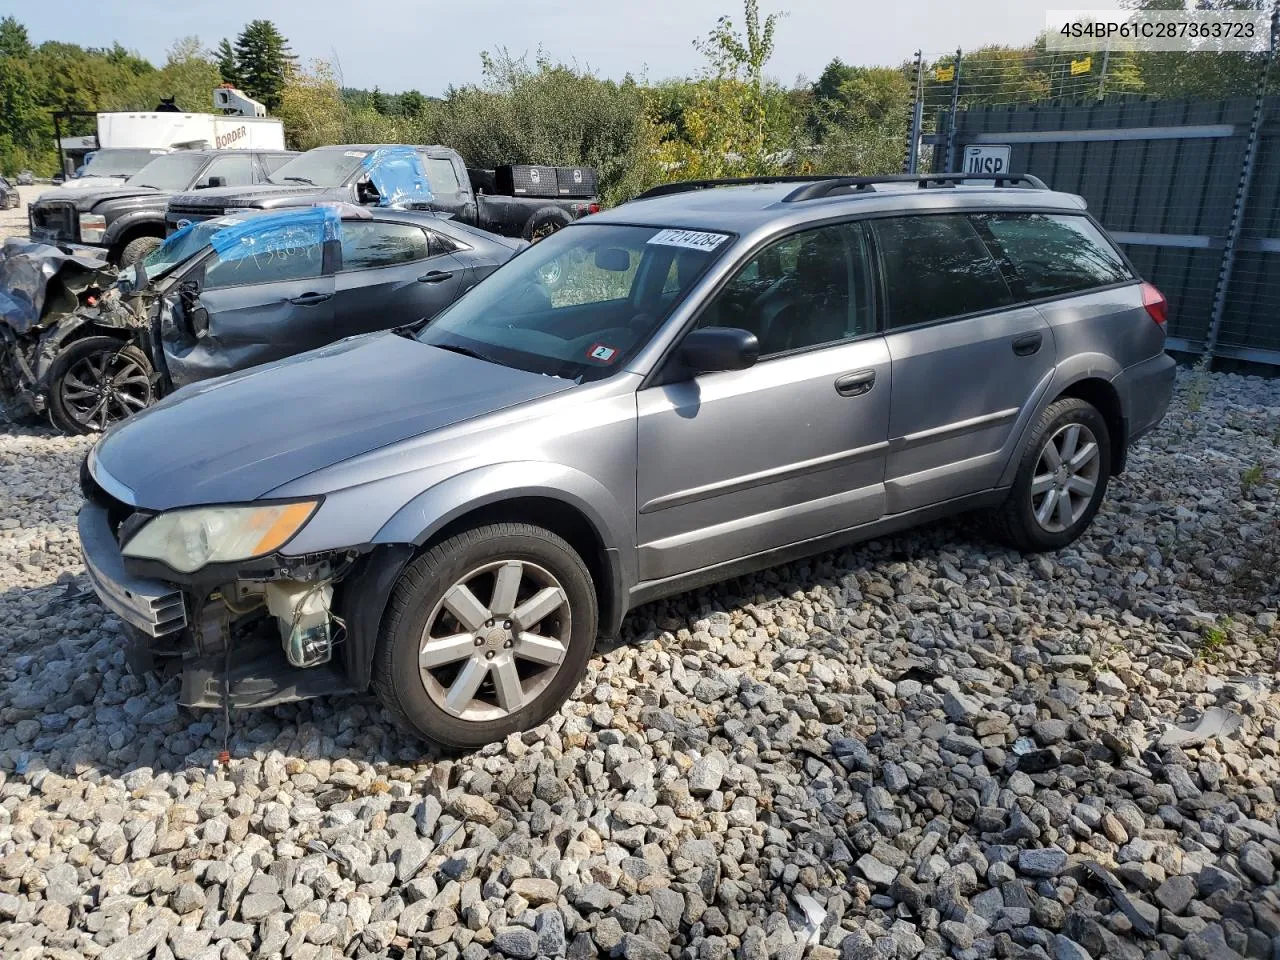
column 1065, row 478
column 483, row 660
column 104, row 388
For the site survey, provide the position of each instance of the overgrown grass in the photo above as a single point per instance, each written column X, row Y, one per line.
column 1250, row 478
column 1198, row 386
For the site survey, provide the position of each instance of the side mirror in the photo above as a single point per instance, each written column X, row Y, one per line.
column 217, row 181
column 713, row 349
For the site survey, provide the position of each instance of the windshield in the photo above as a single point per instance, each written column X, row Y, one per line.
column 580, row 303
column 173, row 171
column 118, row 163
column 321, row 168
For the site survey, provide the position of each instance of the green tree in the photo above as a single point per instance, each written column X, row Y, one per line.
column 378, row 102
column 729, row 125
column 14, row 41
column 412, row 104
column 264, row 62
column 228, row 68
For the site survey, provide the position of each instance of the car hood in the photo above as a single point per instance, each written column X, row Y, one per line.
column 248, row 196
column 88, row 199
column 235, row 438
column 91, row 183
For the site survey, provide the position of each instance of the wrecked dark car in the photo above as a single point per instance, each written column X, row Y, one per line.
column 90, row 348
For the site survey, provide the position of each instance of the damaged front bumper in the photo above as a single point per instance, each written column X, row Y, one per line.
column 223, row 631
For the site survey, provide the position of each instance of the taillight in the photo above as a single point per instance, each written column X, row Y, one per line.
column 593, row 208
column 1155, row 303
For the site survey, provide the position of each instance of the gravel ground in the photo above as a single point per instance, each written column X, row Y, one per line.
column 13, row 223
column 923, row 747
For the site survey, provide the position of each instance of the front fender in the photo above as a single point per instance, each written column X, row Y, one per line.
column 438, row 506
column 118, row 228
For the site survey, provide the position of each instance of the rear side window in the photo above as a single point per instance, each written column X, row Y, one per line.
column 371, row 243
column 1055, row 254
column 936, row 267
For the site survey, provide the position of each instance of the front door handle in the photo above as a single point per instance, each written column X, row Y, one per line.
column 310, row 299
column 435, row 276
column 856, row 384
column 1027, row 344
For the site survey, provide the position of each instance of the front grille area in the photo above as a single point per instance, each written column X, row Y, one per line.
column 56, row 219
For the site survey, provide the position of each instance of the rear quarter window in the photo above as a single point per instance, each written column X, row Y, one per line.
column 1055, row 254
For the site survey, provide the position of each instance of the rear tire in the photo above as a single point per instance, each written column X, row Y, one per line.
column 545, row 222
column 120, row 370
column 136, row 249
column 1061, row 480
column 464, row 661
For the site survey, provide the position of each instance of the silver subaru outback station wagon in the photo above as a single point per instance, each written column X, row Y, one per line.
column 710, row 379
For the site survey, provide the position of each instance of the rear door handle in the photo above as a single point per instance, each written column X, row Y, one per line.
column 310, row 299
column 856, row 384
column 1027, row 344
column 435, row 276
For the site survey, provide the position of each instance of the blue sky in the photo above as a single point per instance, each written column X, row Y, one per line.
column 429, row 44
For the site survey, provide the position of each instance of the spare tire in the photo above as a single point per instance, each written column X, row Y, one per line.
column 545, row 222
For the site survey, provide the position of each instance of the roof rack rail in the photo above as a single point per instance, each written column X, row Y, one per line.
column 828, row 186
column 686, row 186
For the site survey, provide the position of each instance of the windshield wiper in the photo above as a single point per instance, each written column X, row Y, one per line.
column 310, row 183
column 465, row 351
column 151, row 185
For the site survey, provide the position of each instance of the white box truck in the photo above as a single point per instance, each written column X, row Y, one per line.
column 128, row 140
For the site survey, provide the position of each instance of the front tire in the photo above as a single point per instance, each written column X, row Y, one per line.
column 1061, row 480
column 136, row 249
column 486, row 634
column 97, row 382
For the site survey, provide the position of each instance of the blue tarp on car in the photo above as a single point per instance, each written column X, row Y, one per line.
column 275, row 232
column 398, row 176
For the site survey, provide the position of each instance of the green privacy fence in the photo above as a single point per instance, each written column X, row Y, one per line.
column 1190, row 189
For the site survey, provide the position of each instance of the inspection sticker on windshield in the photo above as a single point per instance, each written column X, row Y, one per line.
column 602, row 352
column 693, row 239
column 358, row 154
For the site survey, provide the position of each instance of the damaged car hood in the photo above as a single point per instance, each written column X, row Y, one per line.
column 235, row 438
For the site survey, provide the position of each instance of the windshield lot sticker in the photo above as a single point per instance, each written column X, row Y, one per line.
column 358, row 154
column 602, row 352
column 693, row 239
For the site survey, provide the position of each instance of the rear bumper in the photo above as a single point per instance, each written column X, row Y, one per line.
column 1147, row 388
column 152, row 606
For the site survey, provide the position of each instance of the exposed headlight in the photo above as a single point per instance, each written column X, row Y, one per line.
column 189, row 539
column 93, row 227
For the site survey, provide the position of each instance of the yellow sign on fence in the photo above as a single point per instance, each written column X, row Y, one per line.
column 943, row 74
column 1081, row 66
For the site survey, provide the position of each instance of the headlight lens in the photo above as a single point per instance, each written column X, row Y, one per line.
column 189, row 539
column 92, row 227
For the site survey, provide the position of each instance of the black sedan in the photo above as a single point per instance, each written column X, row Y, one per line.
column 243, row 289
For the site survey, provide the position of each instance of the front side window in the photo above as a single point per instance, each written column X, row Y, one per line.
column 441, row 175
column 805, row 290
column 936, row 266
column 581, row 302
column 367, row 244
column 287, row 254
column 1055, row 254
column 235, row 171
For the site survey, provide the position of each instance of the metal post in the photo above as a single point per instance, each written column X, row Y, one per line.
column 1242, row 197
column 952, row 119
column 917, row 116
column 1106, row 59
column 57, row 143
